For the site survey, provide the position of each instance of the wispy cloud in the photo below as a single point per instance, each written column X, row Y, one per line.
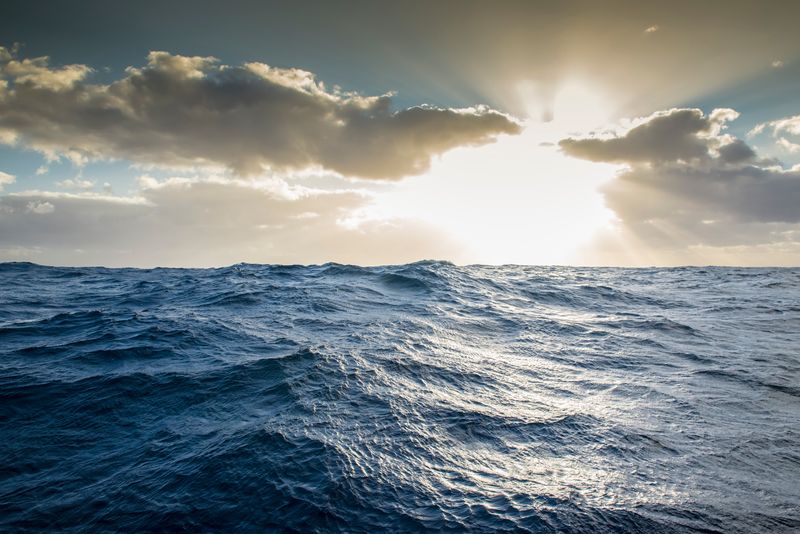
column 785, row 131
column 6, row 179
column 75, row 183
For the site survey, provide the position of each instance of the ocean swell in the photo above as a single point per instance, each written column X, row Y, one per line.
column 402, row 398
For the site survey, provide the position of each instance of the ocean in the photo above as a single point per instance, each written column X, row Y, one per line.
column 410, row 398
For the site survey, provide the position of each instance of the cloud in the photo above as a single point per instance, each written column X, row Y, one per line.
column 690, row 195
column 782, row 130
column 194, row 111
column 39, row 207
column 736, row 151
column 37, row 73
column 789, row 146
column 689, row 185
column 664, row 137
column 205, row 222
column 6, row 179
column 75, row 183
column 651, row 29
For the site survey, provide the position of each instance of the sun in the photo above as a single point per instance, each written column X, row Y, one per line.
column 519, row 200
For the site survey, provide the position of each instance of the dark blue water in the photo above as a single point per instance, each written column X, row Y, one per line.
column 402, row 399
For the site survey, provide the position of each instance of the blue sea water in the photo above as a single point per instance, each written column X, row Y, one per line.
column 421, row 397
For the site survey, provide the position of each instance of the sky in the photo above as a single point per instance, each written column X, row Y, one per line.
column 201, row 134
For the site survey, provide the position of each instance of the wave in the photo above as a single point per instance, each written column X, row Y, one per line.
column 428, row 396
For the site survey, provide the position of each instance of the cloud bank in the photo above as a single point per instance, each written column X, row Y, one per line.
column 207, row 222
column 190, row 111
column 687, row 184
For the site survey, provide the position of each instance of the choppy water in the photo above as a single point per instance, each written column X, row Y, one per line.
column 408, row 398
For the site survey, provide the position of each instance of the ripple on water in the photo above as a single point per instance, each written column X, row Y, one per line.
column 401, row 398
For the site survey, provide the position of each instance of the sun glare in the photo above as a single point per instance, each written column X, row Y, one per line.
column 519, row 200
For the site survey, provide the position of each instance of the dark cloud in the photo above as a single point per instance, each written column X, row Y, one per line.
column 736, row 152
column 707, row 205
column 689, row 184
column 666, row 136
column 180, row 110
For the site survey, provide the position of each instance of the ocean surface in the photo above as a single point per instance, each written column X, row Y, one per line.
column 421, row 397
